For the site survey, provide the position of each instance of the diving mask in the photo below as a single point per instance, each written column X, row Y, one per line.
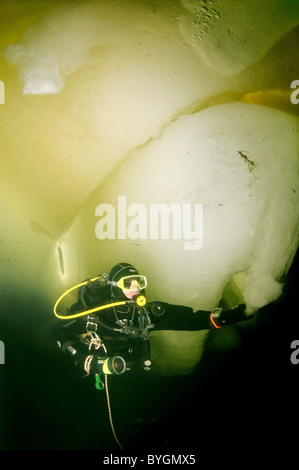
column 128, row 282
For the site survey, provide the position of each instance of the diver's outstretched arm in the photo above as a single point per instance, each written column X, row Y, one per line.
column 175, row 317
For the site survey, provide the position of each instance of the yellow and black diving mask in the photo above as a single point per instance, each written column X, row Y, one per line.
column 128, row 282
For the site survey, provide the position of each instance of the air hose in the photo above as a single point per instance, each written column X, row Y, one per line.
column 140, row 301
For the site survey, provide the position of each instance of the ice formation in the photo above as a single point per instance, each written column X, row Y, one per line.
column 232, row 156
column 229, row 36
column 165, row 104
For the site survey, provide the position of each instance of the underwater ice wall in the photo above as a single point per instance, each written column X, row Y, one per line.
column 231, row 35
column 161, row 102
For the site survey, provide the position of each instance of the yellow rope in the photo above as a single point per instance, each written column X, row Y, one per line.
column 110, row 414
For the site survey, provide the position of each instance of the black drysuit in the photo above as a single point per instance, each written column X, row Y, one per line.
column 125, row 330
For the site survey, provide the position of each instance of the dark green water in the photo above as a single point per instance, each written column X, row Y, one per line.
column 236, row 398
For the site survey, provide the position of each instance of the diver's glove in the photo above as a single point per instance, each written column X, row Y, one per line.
column 220, row 317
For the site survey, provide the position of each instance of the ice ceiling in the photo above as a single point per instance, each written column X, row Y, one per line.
column 162, row 102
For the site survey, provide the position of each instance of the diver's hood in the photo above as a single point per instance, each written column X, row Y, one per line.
column 117, row 272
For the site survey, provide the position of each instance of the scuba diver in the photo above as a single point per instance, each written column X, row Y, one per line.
column 107, row 330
